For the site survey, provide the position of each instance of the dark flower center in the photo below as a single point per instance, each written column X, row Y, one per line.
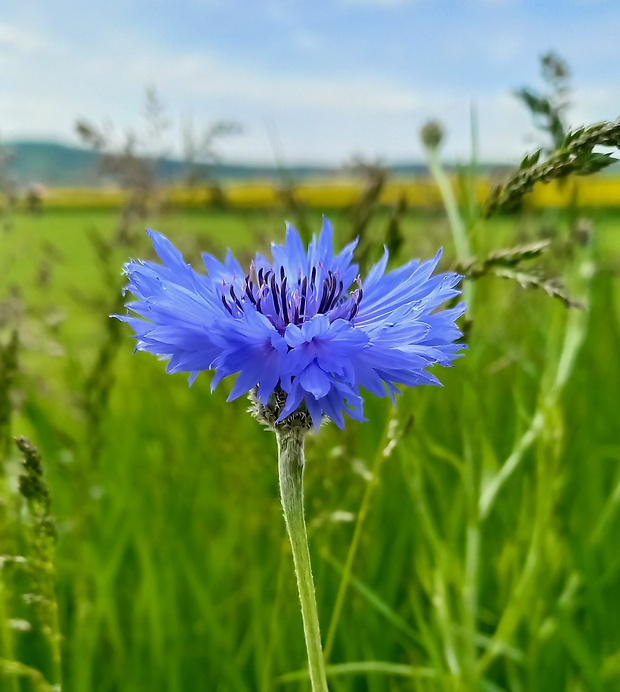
column 285, row 302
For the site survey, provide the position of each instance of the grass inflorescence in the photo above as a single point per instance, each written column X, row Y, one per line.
column 575, row 156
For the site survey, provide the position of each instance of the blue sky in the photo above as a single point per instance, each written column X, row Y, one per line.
column 327, row 79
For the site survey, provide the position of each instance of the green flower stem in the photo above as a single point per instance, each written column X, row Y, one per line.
column 291, row 472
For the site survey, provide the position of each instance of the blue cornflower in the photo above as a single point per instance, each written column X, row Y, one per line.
column 302, row 329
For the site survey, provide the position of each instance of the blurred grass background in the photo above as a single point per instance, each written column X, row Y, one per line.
column 464, row 540
column 173, row 570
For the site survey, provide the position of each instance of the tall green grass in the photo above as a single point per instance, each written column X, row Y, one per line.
column 173, row 569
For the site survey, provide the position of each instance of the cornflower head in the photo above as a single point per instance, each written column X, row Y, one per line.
column 302, row 332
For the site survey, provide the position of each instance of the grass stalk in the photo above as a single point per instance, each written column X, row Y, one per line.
column 457, row 225
column 383, row 452
column 574, row 336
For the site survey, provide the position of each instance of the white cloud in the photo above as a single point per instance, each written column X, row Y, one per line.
column 204, row 78
column 592, row 103
column 317, row 118
column 19, row 40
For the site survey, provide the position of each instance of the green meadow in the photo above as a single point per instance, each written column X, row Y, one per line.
column 465, row 539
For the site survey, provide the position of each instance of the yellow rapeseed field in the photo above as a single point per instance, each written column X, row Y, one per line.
column 597, row 191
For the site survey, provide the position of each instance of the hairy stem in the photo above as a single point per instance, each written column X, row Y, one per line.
column 291, row 472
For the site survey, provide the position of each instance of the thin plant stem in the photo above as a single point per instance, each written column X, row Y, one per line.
column 8, row 680
column 457, row 226
column 472, row 560
column 574, row 336
column 459, row 232
column 383, row 452
column 291, row 473
column 473, row 211
column 266, row 678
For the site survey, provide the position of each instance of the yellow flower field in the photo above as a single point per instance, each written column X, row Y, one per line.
column 599, row 191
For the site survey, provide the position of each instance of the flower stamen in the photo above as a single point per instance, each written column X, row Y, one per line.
column 302, row 303
column 224, row 303
column 274, row 294
column 248, row 289
column 323, row 302
column 283, row 298
column 235, row 299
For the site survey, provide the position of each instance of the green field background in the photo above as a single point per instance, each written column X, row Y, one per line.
column 172, row 567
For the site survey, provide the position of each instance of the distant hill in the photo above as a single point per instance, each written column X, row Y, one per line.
column 50, row 164
column 59, row 165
